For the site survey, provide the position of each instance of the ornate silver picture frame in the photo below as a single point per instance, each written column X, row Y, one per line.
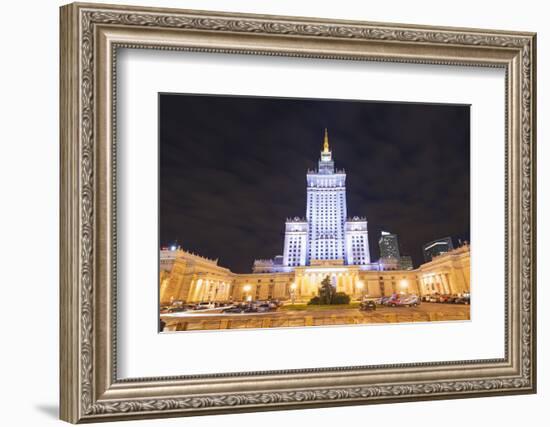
column 91, row 390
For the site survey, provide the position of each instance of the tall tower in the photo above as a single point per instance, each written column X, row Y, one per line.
column 326, row 209
column 325, row 233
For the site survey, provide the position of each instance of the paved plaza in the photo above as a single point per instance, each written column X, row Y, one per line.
column 426, row 312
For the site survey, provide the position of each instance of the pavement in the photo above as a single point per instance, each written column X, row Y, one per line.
column 426, row 312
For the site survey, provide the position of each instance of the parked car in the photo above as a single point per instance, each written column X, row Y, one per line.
column 391, row 301
column 233, row 309
column 265, row 307
column 404, row 301
column 433, row 298
column 413, row 301
column 177, row 309
column 381, row 300
column 367, row 305
column 204, row 305
column 444, row 298
column 451, row 299
column 250, row 308
column 465, row 299
column 221, row 304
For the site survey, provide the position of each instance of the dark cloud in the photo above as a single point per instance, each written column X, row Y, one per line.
column 232, row 169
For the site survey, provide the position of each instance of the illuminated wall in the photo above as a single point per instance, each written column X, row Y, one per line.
column 295, row 251
column 448, row 273
column 357, row 242
column 195, row 279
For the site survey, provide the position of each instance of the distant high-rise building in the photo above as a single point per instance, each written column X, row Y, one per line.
column 405, row 263
column 437, row 247
column 389, row 246
column 278, row 260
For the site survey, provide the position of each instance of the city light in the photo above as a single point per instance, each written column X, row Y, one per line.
column 293, row 292
column 404, row 283
column 247, row 296
column 360, row 285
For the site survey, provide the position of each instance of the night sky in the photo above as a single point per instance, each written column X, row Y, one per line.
column 232, row 169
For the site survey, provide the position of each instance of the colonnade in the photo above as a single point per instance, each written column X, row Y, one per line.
column 436, row 283
column 207, row 290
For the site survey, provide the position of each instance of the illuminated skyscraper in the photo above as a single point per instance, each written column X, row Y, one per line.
column 389, row 246
column 326, row 233
column 405, row 263
column 437, row 247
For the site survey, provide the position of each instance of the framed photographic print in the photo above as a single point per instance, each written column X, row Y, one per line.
column 413, row 176
column 265, row 212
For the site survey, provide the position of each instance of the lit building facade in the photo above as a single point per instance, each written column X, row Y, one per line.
column 193, row 278
column 196, row 279
column 447, row 273
column 326, row 233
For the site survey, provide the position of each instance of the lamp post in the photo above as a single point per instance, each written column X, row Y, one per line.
column 246, row 289
column 404, row 285
column 293, row 293
column 360, row 285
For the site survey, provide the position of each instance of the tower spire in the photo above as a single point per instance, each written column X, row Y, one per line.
column 325, row 144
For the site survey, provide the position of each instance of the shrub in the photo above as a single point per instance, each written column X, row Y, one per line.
column 340, row 298
column 315, row 300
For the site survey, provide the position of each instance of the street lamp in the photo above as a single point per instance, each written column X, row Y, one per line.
column 293, row 292
column 360, row 285
column 246, row 289
column 404, row 285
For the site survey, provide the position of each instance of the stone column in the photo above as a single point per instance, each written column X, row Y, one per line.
column 299, row 285
column 192, row 289
column 445, row 278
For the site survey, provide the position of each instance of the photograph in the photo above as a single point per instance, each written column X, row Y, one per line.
column 293, row 212
column 263, row 209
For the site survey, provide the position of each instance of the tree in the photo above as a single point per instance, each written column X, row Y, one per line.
column 326, row 291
